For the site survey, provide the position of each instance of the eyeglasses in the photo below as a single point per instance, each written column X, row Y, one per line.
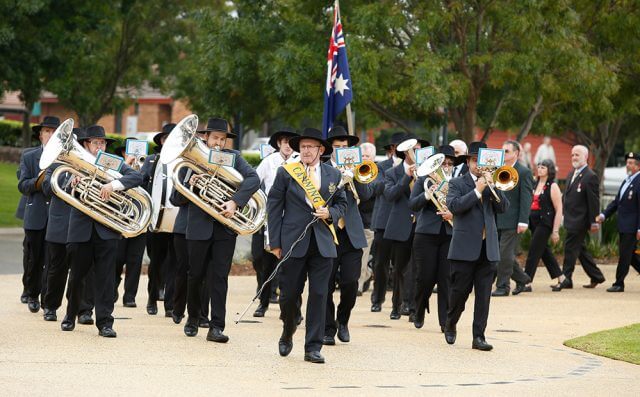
column 99, row 143
column 309, row 147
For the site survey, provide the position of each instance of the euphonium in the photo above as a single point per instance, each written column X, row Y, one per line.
column 128, row 212
column 408, row 146
column 435, row 176
column 216, row 185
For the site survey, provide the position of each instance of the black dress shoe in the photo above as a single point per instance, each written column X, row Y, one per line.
column 129, row 304
column 343, row 333
column 285, row 346
column 50, row 315
column 328, row 340
column 107, row 332
column 203, row 323
column 394, row 315
column 216, row 335
column 615, row 288
column 67, row 324
column 152, row 308
column 314, row 357
column 412, row 317
column 168, row 313
column 376, row 307
column 592, row 284
column 85, row 319
column 177, row 318
column 418, row 321
column 565, row 284
column 500, row 292
column 190, row 328
column 33, row 305
column 24, row 298
column 480, row 344
column 450, row 334
column 521, row 288
column 260, row 310
column 405, row 310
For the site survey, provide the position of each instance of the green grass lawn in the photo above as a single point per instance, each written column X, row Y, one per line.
column 9, row 195
column 619, row 343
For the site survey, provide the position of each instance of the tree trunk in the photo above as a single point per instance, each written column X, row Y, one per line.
column 26, row 124
column 526, row 127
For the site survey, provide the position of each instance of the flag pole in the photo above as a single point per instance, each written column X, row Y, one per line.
column 349, row 120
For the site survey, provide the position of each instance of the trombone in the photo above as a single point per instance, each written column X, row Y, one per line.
column 364, row 172
column 503, row 178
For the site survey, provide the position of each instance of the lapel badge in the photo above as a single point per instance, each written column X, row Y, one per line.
column 579, row 187
column 332, row 188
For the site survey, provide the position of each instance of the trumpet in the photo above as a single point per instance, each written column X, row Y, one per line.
column 363, row 173
column 436, row 177
column 503, row 178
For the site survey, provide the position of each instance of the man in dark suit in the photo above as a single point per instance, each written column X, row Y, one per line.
column 474, row 250
column 379, row 218
column 400, row 228
column 36, row 211
column 580, row 206
column 512, row 223
column 161, row 271
column 210, row 243
column 460, row 150
column 351, row 242
column 92, row 245
column 290, row 209
column 24, row 297
column 627, row 205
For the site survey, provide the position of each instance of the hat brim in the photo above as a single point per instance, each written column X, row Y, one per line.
column 273, row 139
column 36, row 128
column 86, row 138
column 352, row 140
column 157, row 137
column 207, row 130
column 294, row 142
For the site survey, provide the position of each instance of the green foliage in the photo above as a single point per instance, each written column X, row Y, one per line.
column 11, row 133
column 252, row 158
column 10, row 195
column 619, row 343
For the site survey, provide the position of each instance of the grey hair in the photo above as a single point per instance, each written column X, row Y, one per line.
column 368, row 147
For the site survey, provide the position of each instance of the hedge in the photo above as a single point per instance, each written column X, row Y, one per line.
column 11, row 133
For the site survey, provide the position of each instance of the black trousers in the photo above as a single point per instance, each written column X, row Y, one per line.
column 130, row 253
column 430, row 256
column 158, row 252
column 540, row 249
column 57, row 271
column 468, row 275
column 181, row 252
column 345, row 271
column 627, row 256
column 210, row 260
column 25, row 263
column 264, row 263
column 575, row 248
column 35, row 265
column 403, row 280
column 292, row 280
column 100, row 255
column 382, row 260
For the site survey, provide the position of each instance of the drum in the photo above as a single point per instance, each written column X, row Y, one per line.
column 164, row 213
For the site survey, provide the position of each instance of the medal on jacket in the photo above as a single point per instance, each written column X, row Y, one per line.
column 579, row 187
column 630, row 192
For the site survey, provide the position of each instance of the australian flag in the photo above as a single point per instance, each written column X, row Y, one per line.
column 338, row 91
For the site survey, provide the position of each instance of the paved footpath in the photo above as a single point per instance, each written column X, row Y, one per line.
column 151, row 355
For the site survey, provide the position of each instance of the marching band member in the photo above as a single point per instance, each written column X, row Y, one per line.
column 36, row 211
column 130, row 250
column 400, row 229
column 474, row 249
column 460, row 149
column 379, row 218
column 431, row 245
column 211, row 244
column 366, row 210
column 351, row 241
column 159, row 245
column 264, row 261
column 93, row 246
column 297, row 196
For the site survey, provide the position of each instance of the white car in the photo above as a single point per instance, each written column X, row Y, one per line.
column 613, row 178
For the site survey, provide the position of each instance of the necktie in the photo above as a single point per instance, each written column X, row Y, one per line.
column 313, row 177
column 573, row 178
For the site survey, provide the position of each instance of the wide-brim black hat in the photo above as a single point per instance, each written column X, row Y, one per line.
column 49, row 121
column 396, row 138
column 632, row 155
column 95, row 131
column 474, row 148
column 219, row 125
column 166, row 130
column 310, row 133
column 338, row 132
column 450, row 152
column 284, row 132
column 78, row 132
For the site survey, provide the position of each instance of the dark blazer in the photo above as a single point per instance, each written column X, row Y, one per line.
column 352, row 218
column 23, row 199
column 581, row 200
column 397, row 192
column 200, row 224
column 428, row 222
column 520, row 199
column 80, row 225
column 470, row 215
column 464, row 169
column 547, row 211
column 37, row 206
column 628, row 207
column 177, row 199
column 59, row 211
column 382, row 206
column 289, row 213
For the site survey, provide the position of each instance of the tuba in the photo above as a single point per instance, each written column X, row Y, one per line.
column 128, row 212
column 217, row 184
column 435, row 175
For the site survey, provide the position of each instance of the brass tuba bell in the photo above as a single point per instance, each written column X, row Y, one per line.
column 432, row 169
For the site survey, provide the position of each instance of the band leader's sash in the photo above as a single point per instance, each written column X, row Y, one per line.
column 299, row 174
